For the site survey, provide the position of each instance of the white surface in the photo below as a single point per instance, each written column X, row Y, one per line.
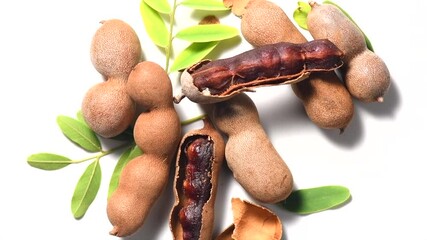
column 46, row 70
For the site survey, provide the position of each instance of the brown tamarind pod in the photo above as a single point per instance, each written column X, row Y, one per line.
column 326, row 100
column 157, row 132
column 273, row 64
column 249, row 153
column 198, row 163
column 142, row 181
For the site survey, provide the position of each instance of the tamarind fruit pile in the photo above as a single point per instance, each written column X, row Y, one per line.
column 138, row 94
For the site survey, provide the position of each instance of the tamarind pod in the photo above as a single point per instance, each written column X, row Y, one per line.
column 142, row 181
column 273, row 64
column 199, row 160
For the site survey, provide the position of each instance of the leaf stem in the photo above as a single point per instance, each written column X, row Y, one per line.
column 169, row 46
column 102, row 153
column 192, row 120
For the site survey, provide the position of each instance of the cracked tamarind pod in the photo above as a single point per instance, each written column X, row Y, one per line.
column 249, row 153
column 280, row 63
column 199, row 160
column 326, row 100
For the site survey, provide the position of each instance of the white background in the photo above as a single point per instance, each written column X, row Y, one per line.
column 45, row 71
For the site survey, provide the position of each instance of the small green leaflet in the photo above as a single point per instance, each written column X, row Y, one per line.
column 161, row 6
column 154, row 25
column 48, row 161
column 79, row 133
column 368, row 42
column 126, row 156
column 79, row 116
column 300, row 14
column 192, row 54
column 208, row 5
column 312, row 200
column 207, row 33
column 86, row 189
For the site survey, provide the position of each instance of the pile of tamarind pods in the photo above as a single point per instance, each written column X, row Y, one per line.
column 138, row 94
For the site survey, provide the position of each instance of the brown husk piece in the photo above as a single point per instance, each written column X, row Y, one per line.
column 237, row 6
column 207, row 222
column 252, row 222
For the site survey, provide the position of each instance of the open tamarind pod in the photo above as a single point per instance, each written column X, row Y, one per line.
column 249, row 153
column 251, row 221
column 198, row 163
column 280, row 63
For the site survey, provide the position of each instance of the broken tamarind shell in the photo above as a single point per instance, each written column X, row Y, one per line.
column 280, row 63
column 251, row 221
column 198, row 163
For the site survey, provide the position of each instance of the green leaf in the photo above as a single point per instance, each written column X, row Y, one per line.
column 368, row 42
column 300, row 14
column 192, row 54
column 154, row 25
column 161, row 6
column 209, row 5
column 48, row 161
column 79, row 133
column 86, row 189
column 207, row 33
column 126, row 156
column 311, row 200
column 79, row 116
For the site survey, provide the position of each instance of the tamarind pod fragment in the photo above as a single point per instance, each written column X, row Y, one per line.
column 273, row 64
column 199, row 160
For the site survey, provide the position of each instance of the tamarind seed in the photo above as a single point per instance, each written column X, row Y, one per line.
column 273, row 64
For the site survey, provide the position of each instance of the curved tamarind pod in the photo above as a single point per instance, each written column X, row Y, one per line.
column 199, row 160
column 273, row 64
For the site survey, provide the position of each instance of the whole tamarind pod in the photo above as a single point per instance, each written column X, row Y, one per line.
column 157, row 132
column 198, row 163
column 273, row 64
column 141, row 183
column 115, row 49
column 326, row 100
column 365, row 74
column 250, row 155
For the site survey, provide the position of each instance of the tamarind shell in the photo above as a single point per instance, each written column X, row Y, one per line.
column 252, row 221
column 205, row 227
